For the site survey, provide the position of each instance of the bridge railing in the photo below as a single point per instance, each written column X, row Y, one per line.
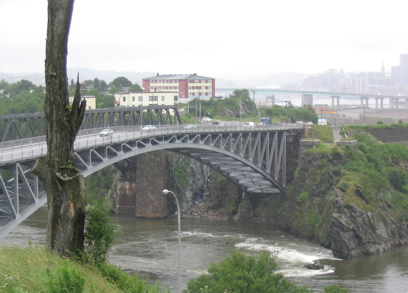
column 27, row 149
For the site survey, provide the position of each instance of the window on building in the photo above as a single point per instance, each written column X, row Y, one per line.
column 124, row 99
column 140, row 98
column 133, row 99
column 152, row 98
column 163, row 98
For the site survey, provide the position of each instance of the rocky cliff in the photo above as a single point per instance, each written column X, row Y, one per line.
column 327, row 206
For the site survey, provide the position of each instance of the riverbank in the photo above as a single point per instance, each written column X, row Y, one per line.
column 33, row 269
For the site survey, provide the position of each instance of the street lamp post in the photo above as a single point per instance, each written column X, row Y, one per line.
column 199, row 100
column 253, row 97
column 165, row 191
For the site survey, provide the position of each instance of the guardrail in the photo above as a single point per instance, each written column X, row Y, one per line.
column 31, row 148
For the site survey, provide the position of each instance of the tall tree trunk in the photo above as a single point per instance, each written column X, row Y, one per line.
column 63, row 184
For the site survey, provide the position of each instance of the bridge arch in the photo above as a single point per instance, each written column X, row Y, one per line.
column 254, row 159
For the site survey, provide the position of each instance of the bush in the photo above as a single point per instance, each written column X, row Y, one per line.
column 65, row 280
column 243, row 274
column 304, row 195
column 127, row 283
column 99, row 233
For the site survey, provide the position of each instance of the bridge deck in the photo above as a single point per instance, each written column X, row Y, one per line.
column 254, row 158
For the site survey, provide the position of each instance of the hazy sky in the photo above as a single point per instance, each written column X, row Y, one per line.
column 216, row 38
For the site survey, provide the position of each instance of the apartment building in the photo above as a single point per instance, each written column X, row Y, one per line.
column 185, row 86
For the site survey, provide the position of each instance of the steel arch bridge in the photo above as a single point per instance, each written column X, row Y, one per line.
column 21, row 126
column 252, row 158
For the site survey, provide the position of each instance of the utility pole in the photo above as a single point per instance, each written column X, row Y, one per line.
column 253, row 98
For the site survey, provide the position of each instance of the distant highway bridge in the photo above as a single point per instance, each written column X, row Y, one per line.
column 307, row 96
column 254, row 158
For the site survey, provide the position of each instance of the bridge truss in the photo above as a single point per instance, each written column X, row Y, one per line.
column 21, row 126
column 254, row 160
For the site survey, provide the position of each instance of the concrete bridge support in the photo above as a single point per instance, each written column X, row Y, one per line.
column 364, row 101
column 307, row 99
column 337, row 98
column 394, row 103
column 270, row 100
column 381, row 103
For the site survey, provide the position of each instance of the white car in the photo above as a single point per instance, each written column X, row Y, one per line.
column 190, row 126
column 106, row 132
column 207, row 119
column 148, row 128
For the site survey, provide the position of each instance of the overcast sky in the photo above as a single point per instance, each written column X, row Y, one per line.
column 216, row 38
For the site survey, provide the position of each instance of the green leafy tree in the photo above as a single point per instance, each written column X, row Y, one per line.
column 244, row 274
column 100, row 232
column 100, row 85
column 88, row 82
column 135, row 88
column 120, row 82
column 3, row 84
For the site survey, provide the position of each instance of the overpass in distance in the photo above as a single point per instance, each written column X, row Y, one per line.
column 253, row 158
column 307, row 96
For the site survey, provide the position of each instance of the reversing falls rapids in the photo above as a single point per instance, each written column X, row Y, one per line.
column 150, row 247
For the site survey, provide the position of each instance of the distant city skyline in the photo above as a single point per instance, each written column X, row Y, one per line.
column 224, row 39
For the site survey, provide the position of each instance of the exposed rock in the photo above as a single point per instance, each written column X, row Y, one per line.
column 314, row 266
column 325, row 215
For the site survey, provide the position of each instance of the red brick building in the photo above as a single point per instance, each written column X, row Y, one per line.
column 186, row 85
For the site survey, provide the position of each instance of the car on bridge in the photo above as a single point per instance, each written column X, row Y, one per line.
column 190, row 126
column 207, row 119
column 148, row 128
column 106, row 132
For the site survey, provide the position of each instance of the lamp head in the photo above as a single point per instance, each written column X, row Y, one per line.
column 165, row 191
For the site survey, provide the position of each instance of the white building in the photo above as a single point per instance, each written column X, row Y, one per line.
column 136, row 99
column 90, row 101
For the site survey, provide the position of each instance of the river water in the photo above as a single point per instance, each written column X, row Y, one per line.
column 150, row 246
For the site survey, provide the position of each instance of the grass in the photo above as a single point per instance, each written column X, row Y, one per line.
column 324, row 133
column 27, row 270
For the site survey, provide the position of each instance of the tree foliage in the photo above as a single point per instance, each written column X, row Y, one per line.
column 244, row 274
column 120, row 82
column 289, row 113
column 135, row 88
column 100, row 232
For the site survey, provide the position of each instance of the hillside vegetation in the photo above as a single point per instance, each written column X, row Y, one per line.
column 353, row 200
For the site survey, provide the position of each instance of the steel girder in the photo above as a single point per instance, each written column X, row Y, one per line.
column 21, row 194
column 253, row 160
column 21, row 126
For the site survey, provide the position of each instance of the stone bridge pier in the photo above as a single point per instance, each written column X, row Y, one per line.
column 140, row 197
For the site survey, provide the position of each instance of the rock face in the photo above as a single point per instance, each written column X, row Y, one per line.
column 355, row 232
column 335, row 215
